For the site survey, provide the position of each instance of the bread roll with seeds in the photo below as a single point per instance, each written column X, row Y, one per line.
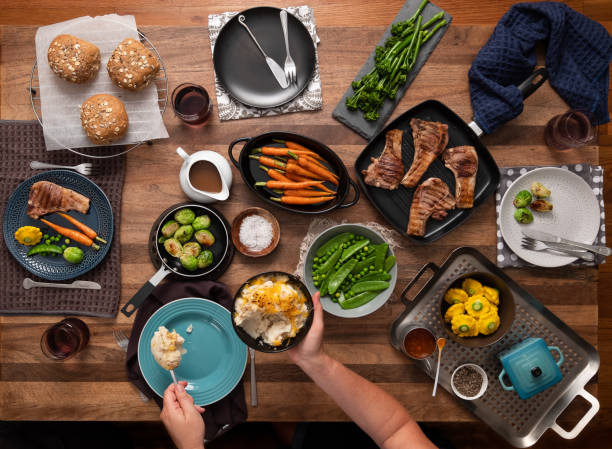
column 104, row 119
column 73, row 59
column 132, row 66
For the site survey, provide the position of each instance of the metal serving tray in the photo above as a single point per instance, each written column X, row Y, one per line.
column 520, row 422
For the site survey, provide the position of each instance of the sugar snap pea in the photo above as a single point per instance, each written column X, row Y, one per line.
column 365, row 286
column 45, row 248
column 353, row 249
column 329, row 263
column 357, row 300
column 380, row 251
column 389, row 262
column 340, row 275
column 363, row 264
column 334, row 242
column 376, row 276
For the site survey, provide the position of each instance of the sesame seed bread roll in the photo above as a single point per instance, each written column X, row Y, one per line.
column 73, row 59
column 132, row 66
column 104, row 119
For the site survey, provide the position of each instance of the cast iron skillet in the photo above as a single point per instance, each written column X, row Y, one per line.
column 242, row 69
column 505, row 309
column 251, row 173
column 395, row 205
column 258, row 344
column 221, row 249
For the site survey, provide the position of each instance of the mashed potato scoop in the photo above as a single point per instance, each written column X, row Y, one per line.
column 167, row 349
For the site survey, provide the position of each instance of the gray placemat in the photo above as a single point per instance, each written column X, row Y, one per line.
column 354, row 119
column 20, row 143
column 309, row 100
column 592, row 174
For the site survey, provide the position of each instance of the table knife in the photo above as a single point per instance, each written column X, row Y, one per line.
column 88, row 285
column 547, row 237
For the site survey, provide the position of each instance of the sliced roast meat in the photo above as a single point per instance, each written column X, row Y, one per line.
column 463, row 162
column 46, row 197
column 430, row 139
column 431, row 199
column 386, row 171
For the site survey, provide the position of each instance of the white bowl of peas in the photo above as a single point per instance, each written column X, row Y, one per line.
column 354, row 269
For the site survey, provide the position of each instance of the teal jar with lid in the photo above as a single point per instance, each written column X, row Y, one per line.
column 530, row 367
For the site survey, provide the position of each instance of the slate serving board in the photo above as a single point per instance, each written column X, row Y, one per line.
column 354, row 119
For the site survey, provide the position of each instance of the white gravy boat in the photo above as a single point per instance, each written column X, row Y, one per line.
column 219, row 162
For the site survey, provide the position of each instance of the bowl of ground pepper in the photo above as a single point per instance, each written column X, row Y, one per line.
column 469, row 381
column 255, row 232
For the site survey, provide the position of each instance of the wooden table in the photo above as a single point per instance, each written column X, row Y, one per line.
column 93, row 385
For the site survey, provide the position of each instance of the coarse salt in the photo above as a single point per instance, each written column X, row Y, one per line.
column 256, row 232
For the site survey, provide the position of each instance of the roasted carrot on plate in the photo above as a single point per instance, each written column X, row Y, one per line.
column 83, row 228
column 272, row 184
column 297, row 200
column 71, row 234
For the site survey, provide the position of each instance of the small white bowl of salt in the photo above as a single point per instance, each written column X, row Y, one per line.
column 255, row 232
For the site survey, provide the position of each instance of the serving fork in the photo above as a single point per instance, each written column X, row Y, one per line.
column 122, row 342
column 535, row 245
column 290, row 70
column 85, row 168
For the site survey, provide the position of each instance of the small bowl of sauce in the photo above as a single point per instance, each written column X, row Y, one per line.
column 419, row 342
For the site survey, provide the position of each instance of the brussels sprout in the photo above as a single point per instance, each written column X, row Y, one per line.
column 184, row 233
column 169, row 228
column 192, row 248
column 205, row 237
column 522, row 199
column 539, row 191
column 189, row 262
column 541, row 206
column 523, row 216
column 173, row 247
column 184, row 216
column 201, row 222
column 73, row 254
column 205, row 259
column 162, row 239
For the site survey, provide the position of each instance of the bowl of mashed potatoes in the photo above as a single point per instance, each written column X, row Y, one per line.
column 272, row 311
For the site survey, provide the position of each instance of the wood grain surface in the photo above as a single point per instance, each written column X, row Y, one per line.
column 93, row 385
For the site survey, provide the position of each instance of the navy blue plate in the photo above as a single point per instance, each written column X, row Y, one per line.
column 99, row 217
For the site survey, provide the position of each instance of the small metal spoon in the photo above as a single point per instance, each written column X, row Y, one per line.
column 440, row 343
column 174, row 381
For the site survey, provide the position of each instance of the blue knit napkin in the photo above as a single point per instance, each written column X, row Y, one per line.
column 578, row 55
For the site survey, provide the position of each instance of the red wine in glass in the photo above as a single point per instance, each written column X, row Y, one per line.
column 65, row 339
column 570, row 130
column 191, row 104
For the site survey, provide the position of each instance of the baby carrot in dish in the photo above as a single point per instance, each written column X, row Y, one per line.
column 268, row 161
column 302, row 192
column 298, row 147
column 293, row 167
column 321, row 172
column 276, row 151
column 287, row 185
column 294, row 177
column 297, row 200
column 71, row 234
column 83, row 228
column 275, row 174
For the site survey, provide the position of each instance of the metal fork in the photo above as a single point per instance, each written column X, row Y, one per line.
column 535, row 245
column 86, row 168
column 290, row 70
column 122, row 342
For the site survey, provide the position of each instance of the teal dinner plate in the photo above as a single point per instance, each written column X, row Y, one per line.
column 215, row 359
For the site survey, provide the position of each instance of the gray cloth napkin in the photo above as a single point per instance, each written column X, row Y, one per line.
column 309, row 100
column 592, row 174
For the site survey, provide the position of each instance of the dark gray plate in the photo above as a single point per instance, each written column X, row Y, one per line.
column 241, row 68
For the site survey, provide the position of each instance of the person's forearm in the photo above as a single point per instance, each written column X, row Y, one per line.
column 374, row 410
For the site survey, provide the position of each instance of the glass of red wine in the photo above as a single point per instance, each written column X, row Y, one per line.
column 65, row 339
column 570, row 130
column 191, row 104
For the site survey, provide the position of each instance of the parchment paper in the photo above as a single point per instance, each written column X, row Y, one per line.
column 60, row 99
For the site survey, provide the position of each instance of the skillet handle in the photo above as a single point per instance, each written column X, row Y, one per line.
column 355, row 198
column 231, row 148
column 533, row 82
column 429, row 266
column 136, row 301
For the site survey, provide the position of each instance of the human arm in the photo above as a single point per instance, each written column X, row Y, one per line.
column 379, row 414
column 182, row 418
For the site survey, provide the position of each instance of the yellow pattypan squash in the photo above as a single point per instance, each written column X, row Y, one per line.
column 492, row 294
column 472, row 287
column 464, row 326
column 489, row 323
column 455, row 296
column 456, row 309
column 477, row 305
column 28, row 235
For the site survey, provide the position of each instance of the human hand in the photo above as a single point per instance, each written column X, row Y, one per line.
column 182, row 418
column 310, row 348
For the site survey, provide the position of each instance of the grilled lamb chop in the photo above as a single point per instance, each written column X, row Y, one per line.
column 463, row 162
column 46, row 197
column 432, row 198
column 430, row 139
column 386, row 170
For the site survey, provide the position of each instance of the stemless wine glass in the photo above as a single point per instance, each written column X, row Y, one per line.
column 191, row 103
column 65, row 339
column 570, row 130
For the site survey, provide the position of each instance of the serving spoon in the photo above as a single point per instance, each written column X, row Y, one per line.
column 440, row 343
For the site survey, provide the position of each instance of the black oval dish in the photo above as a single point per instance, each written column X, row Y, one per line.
column 242, row 69
column 289, row 343
column 251, row 173
column 506, row 310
